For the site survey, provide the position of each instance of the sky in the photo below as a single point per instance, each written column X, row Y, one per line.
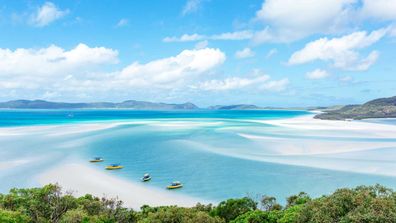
column 209, row 52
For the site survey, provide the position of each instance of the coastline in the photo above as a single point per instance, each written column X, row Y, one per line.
column 80, row 179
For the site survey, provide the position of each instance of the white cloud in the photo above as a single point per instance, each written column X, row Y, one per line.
column 184, row 38
column 191, row 6
column 381, row 9
column 53, row 60
column 257, row 81
column 201, row 45
column 276, row 85
column 232, row 83
column 238, row 35
column 244, row 53
column 86, row 73
column 342, row 52
column 317, row 74
column 289, row 20
column 172, row 70
column 47, row 14
column 122, row 22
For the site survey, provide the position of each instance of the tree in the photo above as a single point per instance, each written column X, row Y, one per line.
column 300, row 198
column 269, row 203
column 232, row 208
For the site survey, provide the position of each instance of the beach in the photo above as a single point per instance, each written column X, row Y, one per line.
column 81, row 179
column 270, row 152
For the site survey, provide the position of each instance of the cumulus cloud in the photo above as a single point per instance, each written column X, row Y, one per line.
column 289, row 20
column 244, row 53
column 342, row 52
column 175, row 69
column 53, row 60
column 85, row 71
column 238, row 35
column 47, row 14
column 317, row 74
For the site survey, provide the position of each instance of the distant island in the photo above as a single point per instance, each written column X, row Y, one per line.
column 129, row 104
column 378, row 108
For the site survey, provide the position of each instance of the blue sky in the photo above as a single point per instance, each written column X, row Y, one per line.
column 269, row 53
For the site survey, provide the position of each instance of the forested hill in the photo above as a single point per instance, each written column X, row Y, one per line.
column 378, row 108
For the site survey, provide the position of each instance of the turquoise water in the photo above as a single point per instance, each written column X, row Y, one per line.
column 202, row 149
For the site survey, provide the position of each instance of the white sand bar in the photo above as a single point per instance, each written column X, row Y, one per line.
column 82, row 179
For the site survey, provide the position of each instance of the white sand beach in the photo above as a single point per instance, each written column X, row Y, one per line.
column 81, row 179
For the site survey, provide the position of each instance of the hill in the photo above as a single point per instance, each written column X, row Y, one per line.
column 378, row 108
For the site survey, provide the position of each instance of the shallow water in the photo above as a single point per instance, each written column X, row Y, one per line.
column 206, row 150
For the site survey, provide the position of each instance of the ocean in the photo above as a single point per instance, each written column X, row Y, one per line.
column 216, row 154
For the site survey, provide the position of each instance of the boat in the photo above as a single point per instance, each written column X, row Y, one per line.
column 96, row 160
column 114, row 167
column 175, row 185
column 146, row 177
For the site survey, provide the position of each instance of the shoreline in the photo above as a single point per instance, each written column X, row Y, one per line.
column 88, row 180
column 317, row 153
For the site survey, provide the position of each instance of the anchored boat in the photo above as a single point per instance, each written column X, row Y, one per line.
column 96, row 160
column 175, row 185
column 146, row 177
column 114, row 167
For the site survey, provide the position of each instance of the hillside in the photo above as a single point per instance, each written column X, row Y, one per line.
column 378, row 108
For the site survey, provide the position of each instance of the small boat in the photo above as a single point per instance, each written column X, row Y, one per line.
column 146, row 177
column 96, row 160
column 175, row 185
column 114, row 167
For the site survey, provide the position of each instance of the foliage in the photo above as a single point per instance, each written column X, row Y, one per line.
column 173, row 214
column 361, row 204
column 232, row 208
column 12, row 217
column 48, row 204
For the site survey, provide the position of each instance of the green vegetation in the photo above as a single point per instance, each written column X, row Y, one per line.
column 49, row 204
column 378, row 108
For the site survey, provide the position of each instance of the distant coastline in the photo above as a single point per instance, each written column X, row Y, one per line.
column 130, row 104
